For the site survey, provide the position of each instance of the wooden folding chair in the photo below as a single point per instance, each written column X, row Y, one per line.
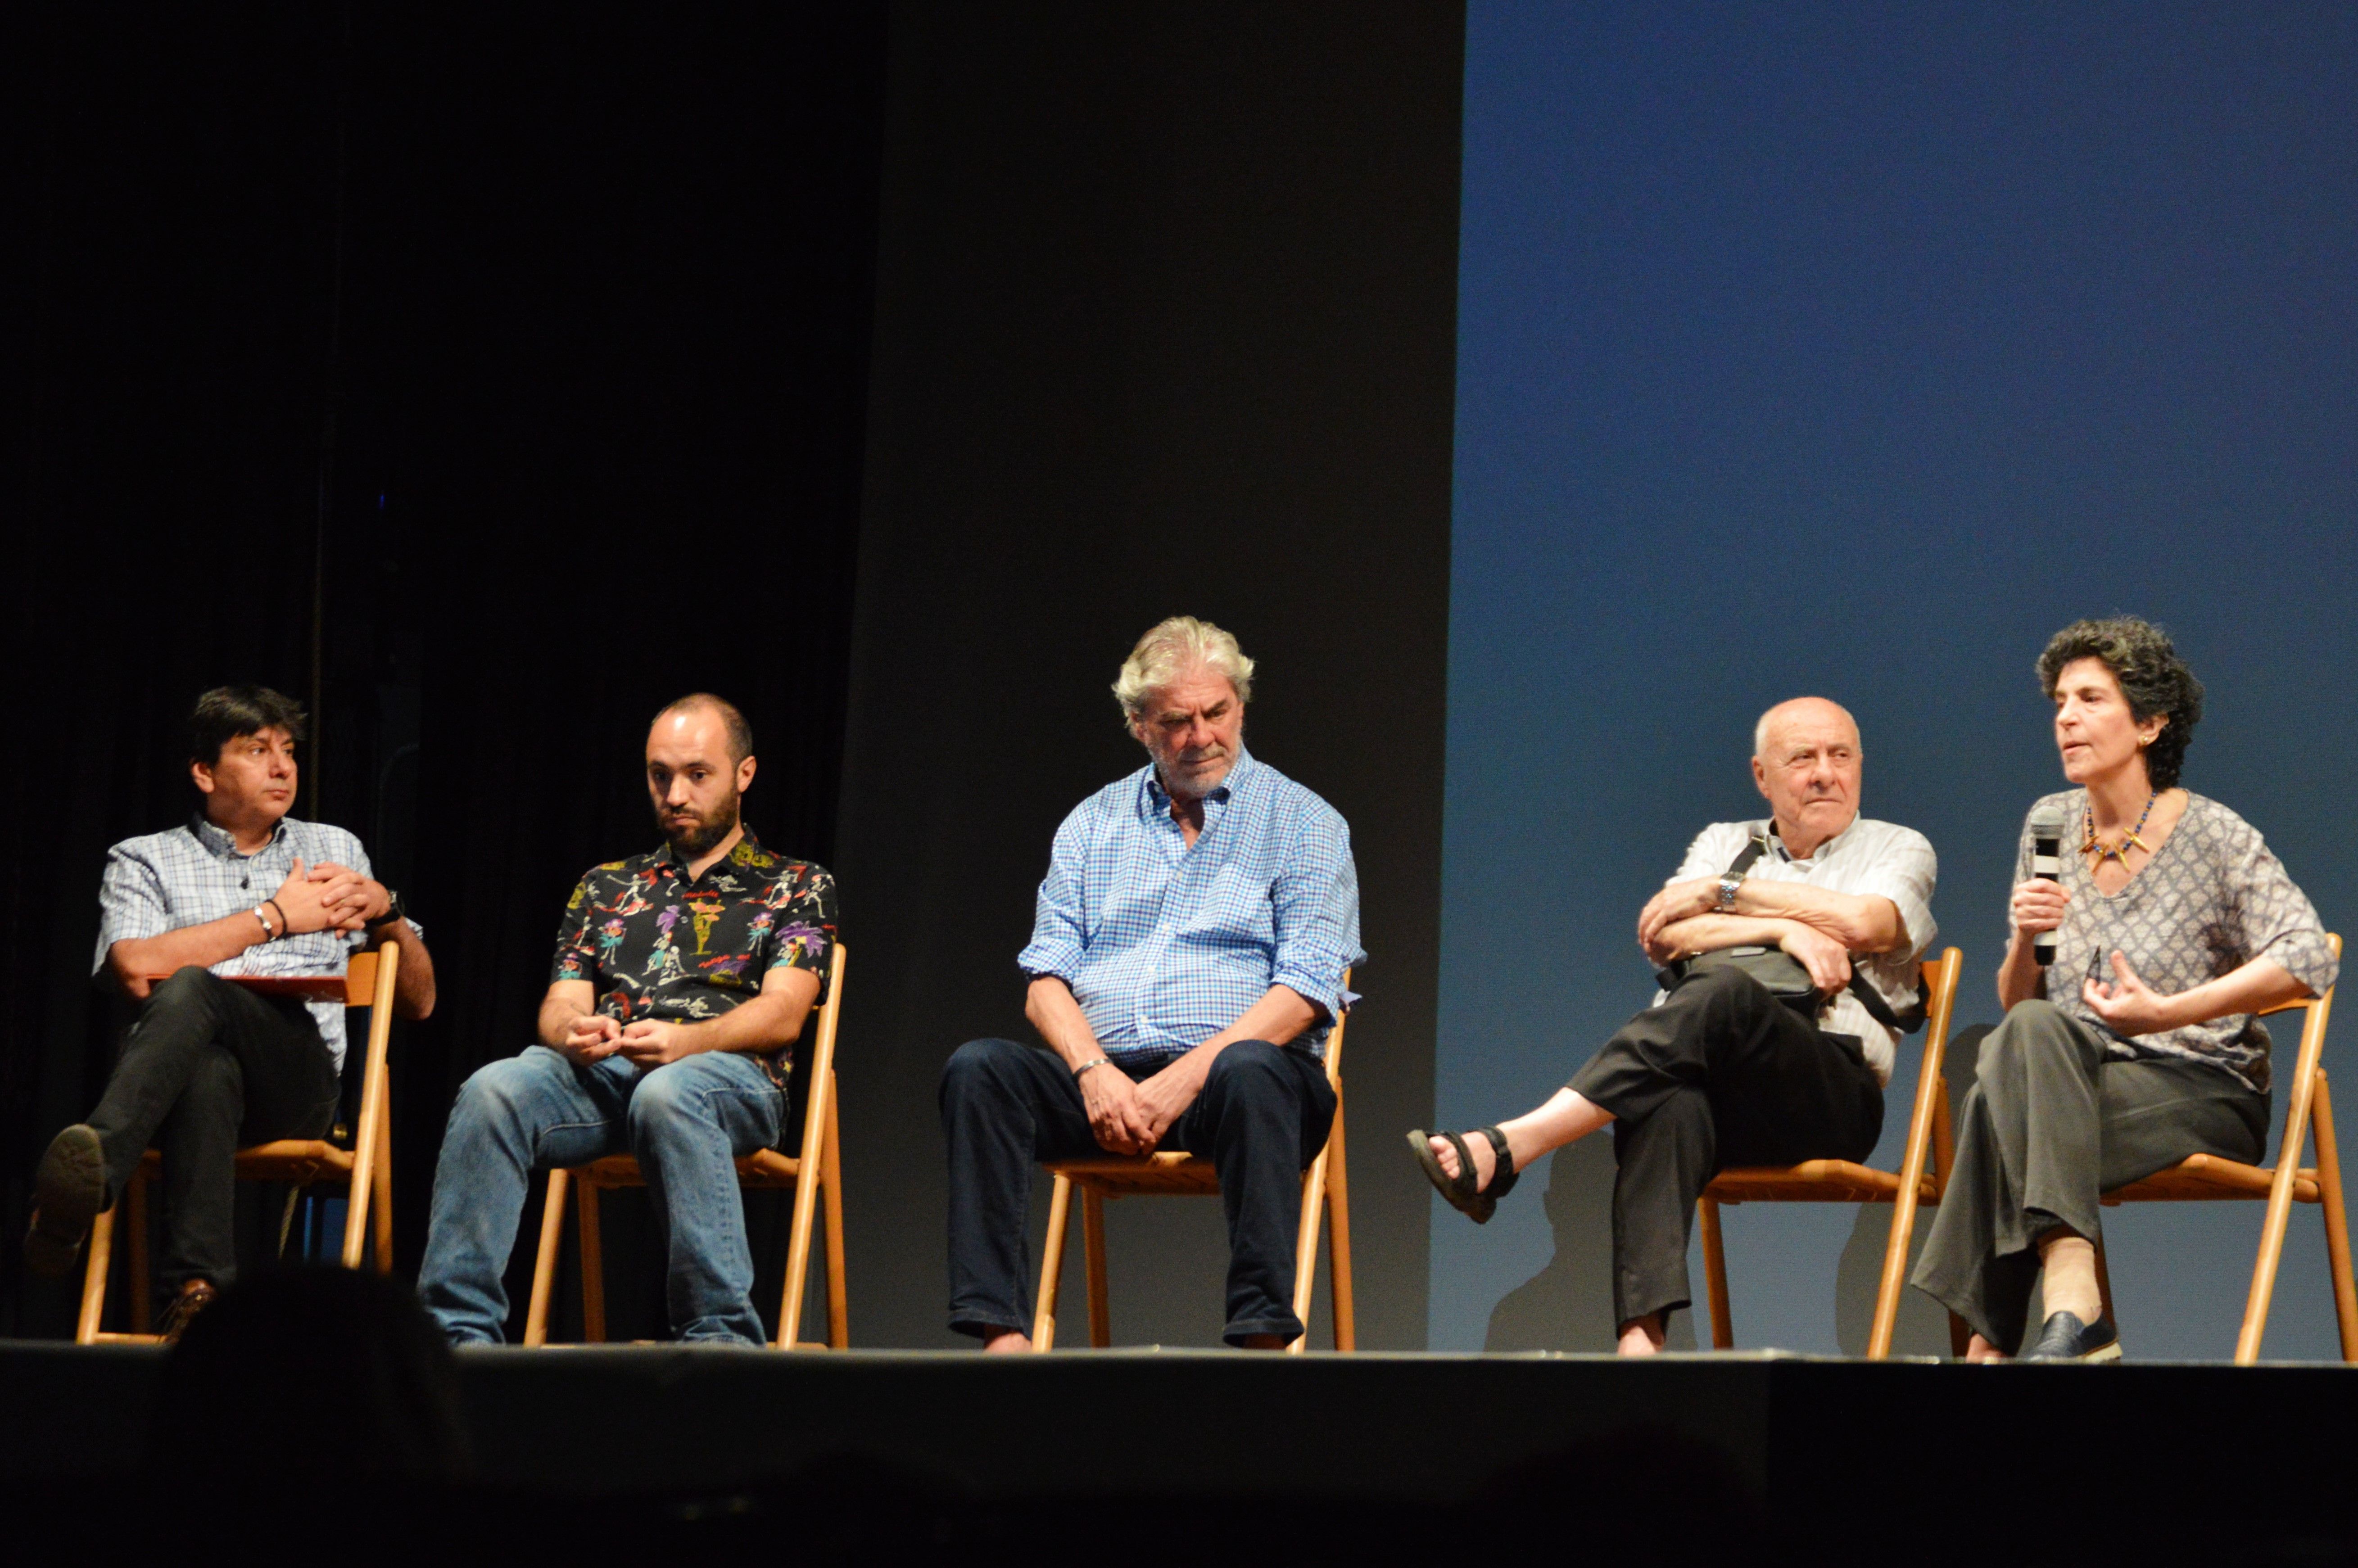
column 1325, row 1187
column 365, row 1171
column 768, row 1171
column 1918, row 1180
column 2207, row 1178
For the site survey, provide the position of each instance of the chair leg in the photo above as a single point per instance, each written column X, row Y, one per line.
column 380, row 1202
column 94, row 1277
column 142, row 1281
column 1714, row 1271
column 838, row 1314
column 543, row 1262
column 2337, row 1226
column 594, row 1265
column 1895, row 1275
column 1093, row 1266
column 1338, row 1239
column 1961, row 1337
column 1051, row 1264
column 798, row 1248
column 2272, row 1233
column 1306, row 1248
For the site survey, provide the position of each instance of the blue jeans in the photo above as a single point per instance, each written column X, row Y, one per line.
column 687, row 1122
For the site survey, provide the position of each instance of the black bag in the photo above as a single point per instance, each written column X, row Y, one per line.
column 1783, row 976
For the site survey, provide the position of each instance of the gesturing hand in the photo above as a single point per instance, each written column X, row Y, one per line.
column 1122, row 1124
column 1826, row 960
column 591, row 1037
column 320, row 899
column 653, row 1042
column 1679, row 901
column 2128, row 1006
column 2038, row 905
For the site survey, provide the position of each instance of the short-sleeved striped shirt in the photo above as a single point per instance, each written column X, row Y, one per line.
column 1164, row 944
column 192, row 874
column 1869, row 857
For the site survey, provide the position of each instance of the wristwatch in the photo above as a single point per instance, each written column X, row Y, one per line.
column 1728, row 886
column 395, row 909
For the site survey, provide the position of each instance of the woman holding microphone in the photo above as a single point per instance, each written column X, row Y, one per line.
column 2136, row 1044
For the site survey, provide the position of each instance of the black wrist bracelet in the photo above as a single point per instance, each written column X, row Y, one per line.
column 285, row 926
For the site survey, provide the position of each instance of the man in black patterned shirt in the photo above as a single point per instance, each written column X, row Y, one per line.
column 681, row 982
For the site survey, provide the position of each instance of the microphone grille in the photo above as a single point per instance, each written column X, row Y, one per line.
column 2047, row 822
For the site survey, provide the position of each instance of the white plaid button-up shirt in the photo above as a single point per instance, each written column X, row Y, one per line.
column 1165, row 945
column 194, row 873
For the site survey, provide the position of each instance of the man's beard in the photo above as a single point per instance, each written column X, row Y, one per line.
column 1185, row 778
column 697, row 837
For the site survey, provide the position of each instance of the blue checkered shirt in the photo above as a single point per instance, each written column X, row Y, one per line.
column 1165, row 945
column 194, row 873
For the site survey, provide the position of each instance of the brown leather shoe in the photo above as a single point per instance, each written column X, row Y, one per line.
column 69, row 1191
column 194, row 1297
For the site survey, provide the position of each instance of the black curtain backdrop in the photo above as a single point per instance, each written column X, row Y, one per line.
column 587, row 404
column 1165, row 317
column 168, row 372
column 645, row 304
column 562, row 319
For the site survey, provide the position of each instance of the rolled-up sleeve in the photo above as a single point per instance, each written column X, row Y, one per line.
column 1315, row 912
column 2277, row 921
column 1060, row 914
column 1906, row 873
column 131, row 903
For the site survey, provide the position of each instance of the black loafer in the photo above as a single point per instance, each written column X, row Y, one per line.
column 69, row 1191
column 2065, row 1337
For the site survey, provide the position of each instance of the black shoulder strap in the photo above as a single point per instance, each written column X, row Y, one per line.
column 1754, row 848
column 1868, row 997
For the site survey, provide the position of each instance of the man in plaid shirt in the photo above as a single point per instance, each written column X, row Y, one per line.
column 1187, row 965
column 241, row 890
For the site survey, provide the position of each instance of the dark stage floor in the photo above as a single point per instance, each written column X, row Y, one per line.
column 1814, row 1459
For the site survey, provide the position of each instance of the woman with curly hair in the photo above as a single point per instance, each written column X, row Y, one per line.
column 2137, row 1045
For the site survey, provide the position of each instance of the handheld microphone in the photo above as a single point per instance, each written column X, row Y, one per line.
column 2047, row 865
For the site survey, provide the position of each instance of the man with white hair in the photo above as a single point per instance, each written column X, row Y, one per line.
column 1722, row 1070
column 1187, row 965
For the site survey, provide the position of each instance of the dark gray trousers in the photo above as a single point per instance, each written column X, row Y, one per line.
column 2049, row 1125
column 1721, row 1074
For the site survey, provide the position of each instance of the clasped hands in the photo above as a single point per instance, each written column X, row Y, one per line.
column 1129, row 1116
column 329, row 897
column 649, row 1042
column 1826, row 960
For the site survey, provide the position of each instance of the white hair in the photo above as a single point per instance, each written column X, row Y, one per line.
column 1171, row 649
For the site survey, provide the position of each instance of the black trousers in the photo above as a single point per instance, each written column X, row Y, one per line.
column 1263, row 1116
column 1721, row 1074
column 207, row 1068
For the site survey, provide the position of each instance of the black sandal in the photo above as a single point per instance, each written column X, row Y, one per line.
column 1476, row 1203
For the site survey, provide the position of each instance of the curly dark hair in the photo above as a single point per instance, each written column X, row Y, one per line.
column 2151, row 676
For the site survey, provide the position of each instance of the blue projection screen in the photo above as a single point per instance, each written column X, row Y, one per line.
column 1853, row 349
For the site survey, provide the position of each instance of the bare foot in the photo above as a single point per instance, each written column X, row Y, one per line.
column 1642, row 1335
column 1980, row 1349
column 1006, row 1341
column 1486, row 1158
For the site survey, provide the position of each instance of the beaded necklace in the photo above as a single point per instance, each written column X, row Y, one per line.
column 2103, row 851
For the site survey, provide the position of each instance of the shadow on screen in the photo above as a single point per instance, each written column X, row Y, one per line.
column 1568, row 1305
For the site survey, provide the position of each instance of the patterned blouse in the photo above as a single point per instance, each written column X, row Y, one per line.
column 2213, row 898
column 657, row 945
